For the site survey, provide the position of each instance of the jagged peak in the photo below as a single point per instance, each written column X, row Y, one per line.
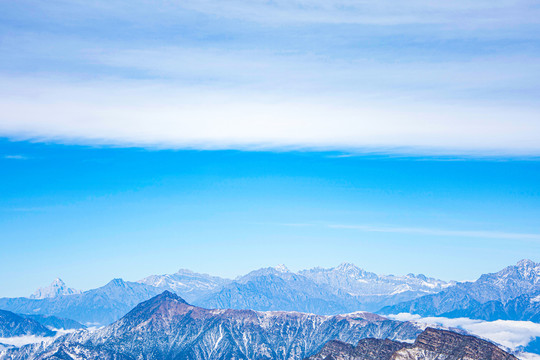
column 526, row 263
column 56, row 288
column 345, row 266
column 58, row 281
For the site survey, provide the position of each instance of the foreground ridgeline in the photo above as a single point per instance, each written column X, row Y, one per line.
column 432, row 344
column 167, row 327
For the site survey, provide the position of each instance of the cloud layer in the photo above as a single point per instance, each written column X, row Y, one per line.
column 441, row 232
column 419, row 77
column 512, row 334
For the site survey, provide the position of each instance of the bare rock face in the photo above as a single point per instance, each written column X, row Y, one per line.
column 367, row 349
column 432, row 344
column 453, row 346
column 335, row 350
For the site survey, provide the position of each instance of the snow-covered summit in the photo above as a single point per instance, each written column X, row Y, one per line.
column 359, row 282
column 282, row 268
column 57, row 288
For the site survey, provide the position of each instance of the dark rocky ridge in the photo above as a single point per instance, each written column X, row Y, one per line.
column 458, row 346
column 431, row 344
column 366, row 349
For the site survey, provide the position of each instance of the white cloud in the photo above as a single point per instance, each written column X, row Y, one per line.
column 24, row 340
column 15, row 157
column 385, row 12
column 511, row 334
column 163, row 115
column 19, row 341
column 440, row 232
column 528, row 356
column 236, row 92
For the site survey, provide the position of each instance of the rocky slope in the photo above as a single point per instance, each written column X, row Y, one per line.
column 509, row 294
column 166, row 327
column 431, row 344
column 12, row 325
column 366, row 349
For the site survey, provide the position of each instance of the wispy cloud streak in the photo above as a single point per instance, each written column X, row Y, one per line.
column 440, row 232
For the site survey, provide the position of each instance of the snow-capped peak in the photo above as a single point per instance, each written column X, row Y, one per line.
column 57, row 288
column 281, row 268
column 526, row 263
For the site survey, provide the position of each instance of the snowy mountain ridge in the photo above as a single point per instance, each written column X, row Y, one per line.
column 167, row 327
column 509, row 294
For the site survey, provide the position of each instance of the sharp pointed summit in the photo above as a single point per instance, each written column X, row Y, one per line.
column 167, row 296
column 56, row 288
column 161, row 306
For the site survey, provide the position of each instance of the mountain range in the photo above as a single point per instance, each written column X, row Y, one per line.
column 510, row 294
column 93, row 307
column 167, row 327
column 342, row 289
column 190, row 285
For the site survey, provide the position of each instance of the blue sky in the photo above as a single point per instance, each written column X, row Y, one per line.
column 216, row 135
column 88, row 214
